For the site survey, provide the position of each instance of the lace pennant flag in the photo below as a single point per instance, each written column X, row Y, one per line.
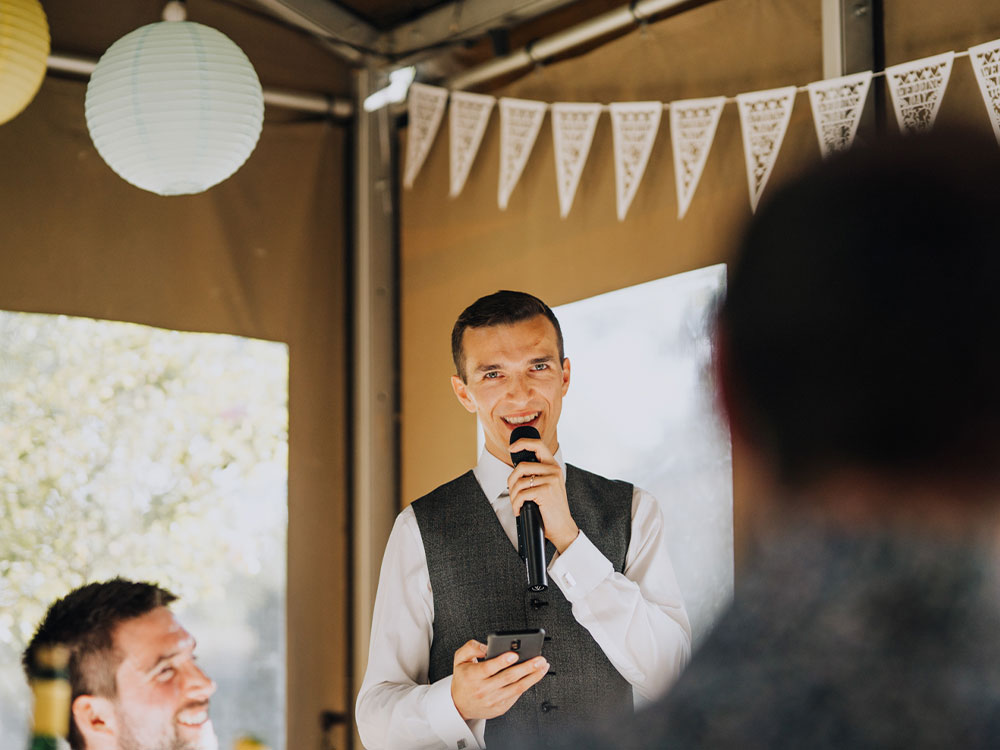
column 764, row 117
column 692, row 130
column 985, row 59
column 633, row 126
column 520, row 120
column 573, row 128
column 469, row 115
column 837, row 104
column 916, row 88
column 426, row 107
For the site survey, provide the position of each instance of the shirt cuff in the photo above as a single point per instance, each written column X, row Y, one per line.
column 445, row 720
column 580, row 568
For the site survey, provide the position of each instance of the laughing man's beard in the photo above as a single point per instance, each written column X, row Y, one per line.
column 127, row 739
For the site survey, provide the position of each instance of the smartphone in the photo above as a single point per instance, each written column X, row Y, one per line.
column 527, row 644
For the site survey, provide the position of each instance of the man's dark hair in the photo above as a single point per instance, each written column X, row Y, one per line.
column 84, row 621
column 860, row 327
column 500, row 308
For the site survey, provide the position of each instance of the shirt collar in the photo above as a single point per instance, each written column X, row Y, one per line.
column 492, row 473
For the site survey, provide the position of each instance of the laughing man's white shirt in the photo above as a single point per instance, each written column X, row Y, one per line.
column 637, row 618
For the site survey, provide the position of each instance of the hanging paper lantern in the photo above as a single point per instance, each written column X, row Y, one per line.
column 174, row 107
column 24, row 53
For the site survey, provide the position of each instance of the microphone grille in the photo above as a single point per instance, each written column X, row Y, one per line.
column 524, row 431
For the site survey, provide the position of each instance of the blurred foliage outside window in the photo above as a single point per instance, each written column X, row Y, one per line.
column 155, row 455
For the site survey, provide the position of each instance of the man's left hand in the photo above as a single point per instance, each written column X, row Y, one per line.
column 543, row 482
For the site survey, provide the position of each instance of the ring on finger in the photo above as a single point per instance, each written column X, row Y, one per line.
column 531, row 481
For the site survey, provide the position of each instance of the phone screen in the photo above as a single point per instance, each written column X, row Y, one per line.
column 527, row 644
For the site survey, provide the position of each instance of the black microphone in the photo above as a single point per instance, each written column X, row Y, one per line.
column 530, row 531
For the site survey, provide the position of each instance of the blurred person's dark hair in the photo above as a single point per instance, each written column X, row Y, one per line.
column 861, row 319
column 500, row 308
column 84, row 621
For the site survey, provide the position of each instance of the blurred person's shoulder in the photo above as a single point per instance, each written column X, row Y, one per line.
column 840, row 639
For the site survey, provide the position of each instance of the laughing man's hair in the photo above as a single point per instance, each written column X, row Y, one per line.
column 84, row 621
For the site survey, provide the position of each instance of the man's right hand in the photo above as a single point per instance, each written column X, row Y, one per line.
column 487, row 689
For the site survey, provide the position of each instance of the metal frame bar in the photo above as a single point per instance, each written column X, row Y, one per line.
column 852, row 43
column 833, row 39
column 302, row 101
column 459, row 20
column 455, row 20
column 563, row 41
column 849, row 36
column 375, row 459
column 331, row 23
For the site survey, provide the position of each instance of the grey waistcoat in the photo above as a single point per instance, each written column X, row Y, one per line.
column 480, row 586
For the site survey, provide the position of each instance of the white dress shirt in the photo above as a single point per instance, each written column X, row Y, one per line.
column 637, row 618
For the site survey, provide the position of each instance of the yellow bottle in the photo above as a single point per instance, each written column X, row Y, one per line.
column 249, row 742
column 50, row 686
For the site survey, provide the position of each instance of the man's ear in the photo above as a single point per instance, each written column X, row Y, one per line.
column 565, row 375
column 96, row 720
column 462, row 394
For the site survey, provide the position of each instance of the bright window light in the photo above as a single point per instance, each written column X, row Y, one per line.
column 641, row 407
column 155, row 455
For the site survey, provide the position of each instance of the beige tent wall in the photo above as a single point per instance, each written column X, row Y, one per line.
column 921, row 28
column 456, row 250
column 261, row 255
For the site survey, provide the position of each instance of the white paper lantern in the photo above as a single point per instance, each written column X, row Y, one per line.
column 174, row 107
column 24, row 53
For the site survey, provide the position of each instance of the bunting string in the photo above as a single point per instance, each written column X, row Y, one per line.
column 916, row 89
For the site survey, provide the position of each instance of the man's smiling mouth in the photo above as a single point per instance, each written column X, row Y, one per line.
column 523, row 419
column 193, row 717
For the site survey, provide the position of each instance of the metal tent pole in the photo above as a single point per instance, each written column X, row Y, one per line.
column 563, row 41
column 302, row 101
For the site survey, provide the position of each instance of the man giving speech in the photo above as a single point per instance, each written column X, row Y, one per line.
column 451, row 575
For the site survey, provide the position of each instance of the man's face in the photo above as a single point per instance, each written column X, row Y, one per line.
column 514, row 377
column 162, row 701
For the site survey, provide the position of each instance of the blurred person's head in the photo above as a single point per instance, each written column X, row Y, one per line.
column 859, row 336
column 135, row 683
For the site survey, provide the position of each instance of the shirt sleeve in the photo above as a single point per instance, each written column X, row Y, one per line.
column 396, row 706
column 637, row 617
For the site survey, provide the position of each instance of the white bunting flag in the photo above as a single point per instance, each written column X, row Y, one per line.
column 836, row 106
column 573, row 128
column 985, row 59
column 633, row 126
column 764, row 117
column 426, row 108
column 520, row 121
column 469, row 115
column 692, row 130
column 916, row 88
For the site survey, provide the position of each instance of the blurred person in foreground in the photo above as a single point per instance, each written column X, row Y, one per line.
column 133, row 672
column 858, row 357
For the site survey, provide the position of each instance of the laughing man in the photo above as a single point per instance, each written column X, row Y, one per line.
column 132, row 669
column 452, row 573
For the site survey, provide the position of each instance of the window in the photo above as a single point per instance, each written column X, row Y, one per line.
column 154, row 455
column 641, row 407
